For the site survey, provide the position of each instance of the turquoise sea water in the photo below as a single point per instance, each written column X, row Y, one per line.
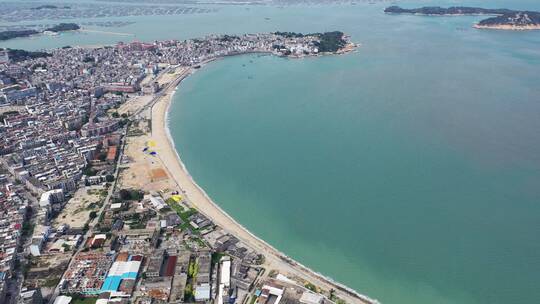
column 409, row 170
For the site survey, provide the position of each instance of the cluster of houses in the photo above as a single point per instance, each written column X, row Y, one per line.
column 166, row 258
column 13, row 215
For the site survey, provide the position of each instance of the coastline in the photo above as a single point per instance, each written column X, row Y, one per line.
column 507, row 27
column 178, row 171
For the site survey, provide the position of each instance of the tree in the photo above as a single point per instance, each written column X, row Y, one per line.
column 124, row 194
column 260, row 259
column 92, row 215
column 66, row 247
column 89, row 171
column 332, row 294
column 311, row 287
column 188, row 291
column 130, row 195
column 123, row 122
column 109, row 178
column 27, row 229
column 102, row 156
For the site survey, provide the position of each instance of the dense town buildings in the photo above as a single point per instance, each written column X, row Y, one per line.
column 61, row 133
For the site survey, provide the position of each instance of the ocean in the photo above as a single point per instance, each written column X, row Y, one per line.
column 408, row 170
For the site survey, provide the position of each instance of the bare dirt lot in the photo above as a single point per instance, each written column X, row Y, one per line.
column 46, row 271
column 134, row 103
column 143, row 169
column 77, row 210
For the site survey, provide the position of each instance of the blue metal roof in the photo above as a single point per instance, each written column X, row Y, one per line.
column 112, row 283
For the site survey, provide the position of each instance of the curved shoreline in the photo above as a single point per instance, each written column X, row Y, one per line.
column 274, row 259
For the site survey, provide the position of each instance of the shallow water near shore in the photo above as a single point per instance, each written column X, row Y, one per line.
column 409, row 170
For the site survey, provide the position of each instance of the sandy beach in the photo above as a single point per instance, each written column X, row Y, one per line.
column 276, row 260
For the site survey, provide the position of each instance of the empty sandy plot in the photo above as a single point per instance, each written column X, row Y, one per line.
column 143, row 170
column 77, row 210
column 134, row 103
column 158, row 174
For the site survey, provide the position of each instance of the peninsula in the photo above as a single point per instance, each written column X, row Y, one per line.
column 62, row 27
column 90, row 124
column 15, row 55
column 6, row 35
column 505, row 19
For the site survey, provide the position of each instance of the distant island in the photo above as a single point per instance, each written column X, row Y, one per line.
column 450, row 11
column 512, row 21
column 503, row 18
column 62, row 27
column 49, row 6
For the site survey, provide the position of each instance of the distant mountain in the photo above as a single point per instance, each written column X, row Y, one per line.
column 503, row 18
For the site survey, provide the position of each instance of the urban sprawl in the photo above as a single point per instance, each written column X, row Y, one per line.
column 74, row 225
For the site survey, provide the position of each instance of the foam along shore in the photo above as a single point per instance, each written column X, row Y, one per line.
column 274, row 259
